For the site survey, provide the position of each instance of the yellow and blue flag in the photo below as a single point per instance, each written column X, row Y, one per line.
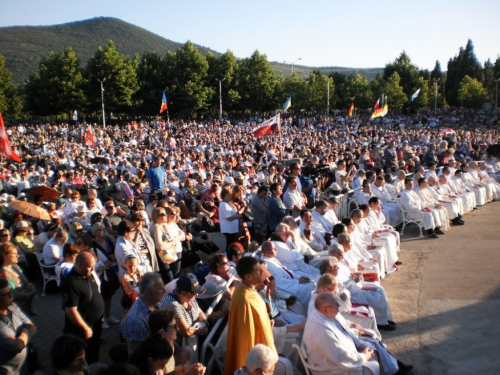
column 287, row 104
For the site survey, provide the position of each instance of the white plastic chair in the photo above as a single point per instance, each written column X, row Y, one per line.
column 411, row 217
column 48, row 272
column 307, row 366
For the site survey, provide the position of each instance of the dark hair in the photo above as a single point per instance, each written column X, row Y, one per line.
column 363, row 207
column 261, row 189
column 159, row 319
column 346, row 221
column 245, row 266
column 66, row 349
column 290, row 179
column 373, row 200
column 125, row 226
column 3, row 283
column 87, row 239
column 118, row 353
column 320, row 204
column 154, row 347
column 274, row 186
column 70, row 249
column 214, row 260
column 338, row 229
column 135, row 217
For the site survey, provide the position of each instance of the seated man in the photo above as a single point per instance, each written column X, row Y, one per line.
column 338, row 349
column 412, row 203
column 260, row 360
column 431, row 203
column 388, row 201
column 321, row 221
column 362, row 292
column 467, row 197
column 287, row 283
column 288, row 252
column 362, row 317
column 308, row 232
column 443, row 195
column 469, row 180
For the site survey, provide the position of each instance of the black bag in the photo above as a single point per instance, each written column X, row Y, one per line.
column 246, row 217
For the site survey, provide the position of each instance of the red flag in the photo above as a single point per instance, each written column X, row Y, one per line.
column 90, row 136
column 5, row 144
column 377, row 104
column 270, row 126
column 351, row 108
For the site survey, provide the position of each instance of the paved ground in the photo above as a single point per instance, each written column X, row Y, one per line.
column 445, row 298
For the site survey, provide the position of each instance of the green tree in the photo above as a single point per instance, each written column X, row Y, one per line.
column 57, row 87
column 256, row 84
column 436, row 72
column 296, row 87
column 187, row 83
column 465, row 63
column 425, row 96
column 395, row 95
column 358, row 91
column 225, row 67
column 151, row 81
column 471, row 93
column 488, row 80
column 318, row 91
column 10, row 102
column 377, row 87
column 121, row 80
column 407, row 71
column 340, row 93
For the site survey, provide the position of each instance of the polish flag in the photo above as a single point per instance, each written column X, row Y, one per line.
column 270, row 126
column 5, row 144
column 90, row 135
column 377, row 104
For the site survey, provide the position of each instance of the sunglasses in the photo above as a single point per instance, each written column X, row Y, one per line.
column 108, row 207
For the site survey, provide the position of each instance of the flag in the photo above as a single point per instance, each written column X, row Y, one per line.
column 163, row 103
column 377, row 104
column 287, row 104
column 90, row 136
column 5, row 144
column 351, row 109
column 381, row 112
column 75, row 115
column 414, row 96
column 270, row 126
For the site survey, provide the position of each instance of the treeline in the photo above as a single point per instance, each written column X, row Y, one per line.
column 134, row 86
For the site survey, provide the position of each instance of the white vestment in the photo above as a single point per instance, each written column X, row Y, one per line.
column 411, row 202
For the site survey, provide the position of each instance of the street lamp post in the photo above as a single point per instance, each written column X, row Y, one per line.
column 102, row 102
column 293, row 63
column 435, row 93
column 496, row 98
column 220, row 95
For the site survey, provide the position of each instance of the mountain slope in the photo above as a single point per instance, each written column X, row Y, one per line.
column 24, row 46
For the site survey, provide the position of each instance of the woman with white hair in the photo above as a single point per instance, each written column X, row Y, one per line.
column 260, row 361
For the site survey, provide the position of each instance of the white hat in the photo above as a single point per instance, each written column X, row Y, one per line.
column 23, row 225
column 229, row 180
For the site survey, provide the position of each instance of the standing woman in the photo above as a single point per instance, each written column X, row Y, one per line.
column 177, row 235
column 241, row 206
column 228, row 216
column 126, row 245
column 144, row 241
column 260, row 212
column 163, row 243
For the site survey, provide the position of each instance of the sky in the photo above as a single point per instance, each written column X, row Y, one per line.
column 355, row 33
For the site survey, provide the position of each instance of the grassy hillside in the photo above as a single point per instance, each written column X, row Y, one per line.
column 24, row 46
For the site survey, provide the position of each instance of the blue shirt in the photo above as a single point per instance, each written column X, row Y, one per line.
column 10, row 326
column 157, row 177
column 135, row 324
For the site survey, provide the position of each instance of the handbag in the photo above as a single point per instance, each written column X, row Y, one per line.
column 169, row 255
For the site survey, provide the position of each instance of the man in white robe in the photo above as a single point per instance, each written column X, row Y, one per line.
column 491, row 189
column 322, row 222
column 485, row 177
column 287, row 283
column 412, row 203
column 292, row 198
column 364, row 196
column 442, row 194
column 430, row 202
column 468, row 198
column 468, row 180
column 331, row 345
column 388, row 201
column 288, row 252
column 399, row 181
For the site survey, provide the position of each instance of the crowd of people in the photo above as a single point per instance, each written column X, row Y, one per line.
column 137, row 206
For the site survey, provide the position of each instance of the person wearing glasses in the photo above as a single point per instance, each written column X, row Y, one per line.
column 162, row 322
column 128, row 244
column 16, row 331
column 182, row 300
column 111, row 220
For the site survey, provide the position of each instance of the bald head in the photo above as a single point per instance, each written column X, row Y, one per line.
column 84, row 263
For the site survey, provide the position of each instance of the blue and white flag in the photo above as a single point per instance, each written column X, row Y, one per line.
column 415, row 94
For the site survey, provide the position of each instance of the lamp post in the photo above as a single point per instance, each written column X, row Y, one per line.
column 496, row 97
column 220, row 95
column 435, row 93
column 293, row 63
column 327, row 96
column 102, row 101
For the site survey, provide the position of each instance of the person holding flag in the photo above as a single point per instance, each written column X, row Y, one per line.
column 5, row 144
column 287, row 104
column 164, row 105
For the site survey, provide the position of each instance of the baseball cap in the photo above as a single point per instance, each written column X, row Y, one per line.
column 189, row 283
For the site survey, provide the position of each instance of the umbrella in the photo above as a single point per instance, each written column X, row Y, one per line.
column 30, row 209
column 47, row 193
column 446, row 131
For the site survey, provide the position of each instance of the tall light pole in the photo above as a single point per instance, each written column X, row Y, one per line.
column 102, row 101
column 327, row 96
column 435, row 93
column 496, row 98
column 220, row 95
column 293, row 63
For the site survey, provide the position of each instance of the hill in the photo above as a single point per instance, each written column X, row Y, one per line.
column 24, row 46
